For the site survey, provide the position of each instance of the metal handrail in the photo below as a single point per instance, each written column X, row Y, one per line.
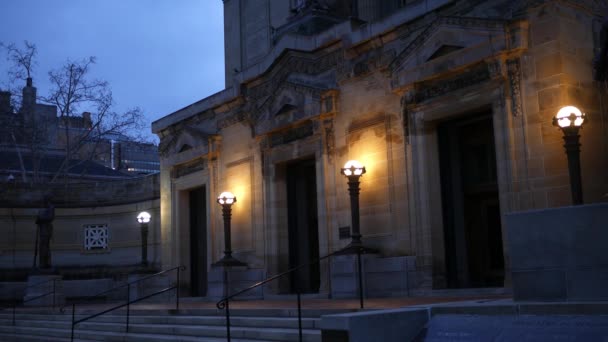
column 129, row 301
column 224, row 302
column 14, row 304
column 132, row 282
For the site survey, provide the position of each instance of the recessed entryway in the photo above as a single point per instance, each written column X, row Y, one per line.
column 470, row 201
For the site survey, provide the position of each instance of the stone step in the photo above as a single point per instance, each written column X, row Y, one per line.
column 273, row 312
column 51, row 335
column 8, row 337
column 256, row 333
column 269, row 322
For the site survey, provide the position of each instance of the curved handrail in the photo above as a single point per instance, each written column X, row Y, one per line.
column 221, row 304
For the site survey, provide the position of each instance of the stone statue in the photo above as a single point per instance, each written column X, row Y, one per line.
column 45, row 231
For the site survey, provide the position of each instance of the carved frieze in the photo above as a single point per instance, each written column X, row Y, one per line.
column 426, row 90
column 514, row 72
column 291, row 134
column 188, row 168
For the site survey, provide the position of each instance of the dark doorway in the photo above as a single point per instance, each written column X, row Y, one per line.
column 303, row 225
column 471, row 211
column 198, row 242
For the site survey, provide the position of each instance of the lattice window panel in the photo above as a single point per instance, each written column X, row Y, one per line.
column 95, row 236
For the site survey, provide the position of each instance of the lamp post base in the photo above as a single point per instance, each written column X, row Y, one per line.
column 354, row 248
column 228, row 261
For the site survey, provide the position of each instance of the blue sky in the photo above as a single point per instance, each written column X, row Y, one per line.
column 159, row 55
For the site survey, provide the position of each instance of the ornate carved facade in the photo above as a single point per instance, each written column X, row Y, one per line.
column 448, row 105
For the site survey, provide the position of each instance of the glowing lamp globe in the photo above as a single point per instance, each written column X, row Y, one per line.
column 144, row 217
column 353, row 168
column 569, row 116
column 226, row 197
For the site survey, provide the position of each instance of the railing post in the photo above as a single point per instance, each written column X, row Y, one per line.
column 177, row 291
column 128, row 304
column 54, row 281
column 73, row 319
column 360, row 277
column 227, row 321
column 14, row 308
column 299, row 313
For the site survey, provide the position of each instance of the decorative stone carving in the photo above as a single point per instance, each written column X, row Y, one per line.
column 430, row 89
column 288, row 64
column 405, row 118
column 291, row 134
column 188, row 168
column 514, row 71
column 464, row 22
column 329, row 137
column 231, row 119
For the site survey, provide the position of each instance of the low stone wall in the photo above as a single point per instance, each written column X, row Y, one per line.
column 382, row 277
column 559, row 254
column 77, row 195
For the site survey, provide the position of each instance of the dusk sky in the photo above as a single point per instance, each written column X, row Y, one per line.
column 159, row 55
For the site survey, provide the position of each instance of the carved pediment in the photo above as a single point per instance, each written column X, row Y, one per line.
column 453, row 42
column 444, row 50
column 293, row 102
column 184, row 139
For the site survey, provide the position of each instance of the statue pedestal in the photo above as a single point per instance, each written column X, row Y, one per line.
column 227, row 280
column 44, row 290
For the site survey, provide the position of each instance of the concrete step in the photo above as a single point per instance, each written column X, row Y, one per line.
column 258, row 328
column 267, row 333
column 269, row 322
column 51, row 335
column 274, row 312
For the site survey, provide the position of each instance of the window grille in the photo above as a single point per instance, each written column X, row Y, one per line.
column 95, row 237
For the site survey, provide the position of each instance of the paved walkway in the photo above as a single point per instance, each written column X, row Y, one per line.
column 372, row 303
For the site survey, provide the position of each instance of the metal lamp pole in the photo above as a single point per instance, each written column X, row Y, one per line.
column 144, row 218
column 570, row 119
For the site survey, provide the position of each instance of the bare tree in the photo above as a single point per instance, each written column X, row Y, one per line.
column 23, row 60
column 73, row 92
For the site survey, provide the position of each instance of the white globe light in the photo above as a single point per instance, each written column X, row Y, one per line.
column 226, row 197
column 353, row 167
column 144, row 217
column 569, row 116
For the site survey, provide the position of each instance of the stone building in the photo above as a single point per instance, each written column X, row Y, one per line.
column 447, row 103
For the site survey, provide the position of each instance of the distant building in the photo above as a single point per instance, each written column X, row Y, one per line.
column 33, row 144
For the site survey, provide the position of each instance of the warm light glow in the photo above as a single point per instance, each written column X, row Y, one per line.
column 353, row 167
column 226, row 197
column 144, row 217
column 569, row 116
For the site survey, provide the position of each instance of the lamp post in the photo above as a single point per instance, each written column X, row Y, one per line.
column 570, row 119
column 226, row 200
column 353, row 170
column 144, row 218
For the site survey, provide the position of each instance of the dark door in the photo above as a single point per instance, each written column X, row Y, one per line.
column 198, row 242
column 303, row 227
column 471, row 211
